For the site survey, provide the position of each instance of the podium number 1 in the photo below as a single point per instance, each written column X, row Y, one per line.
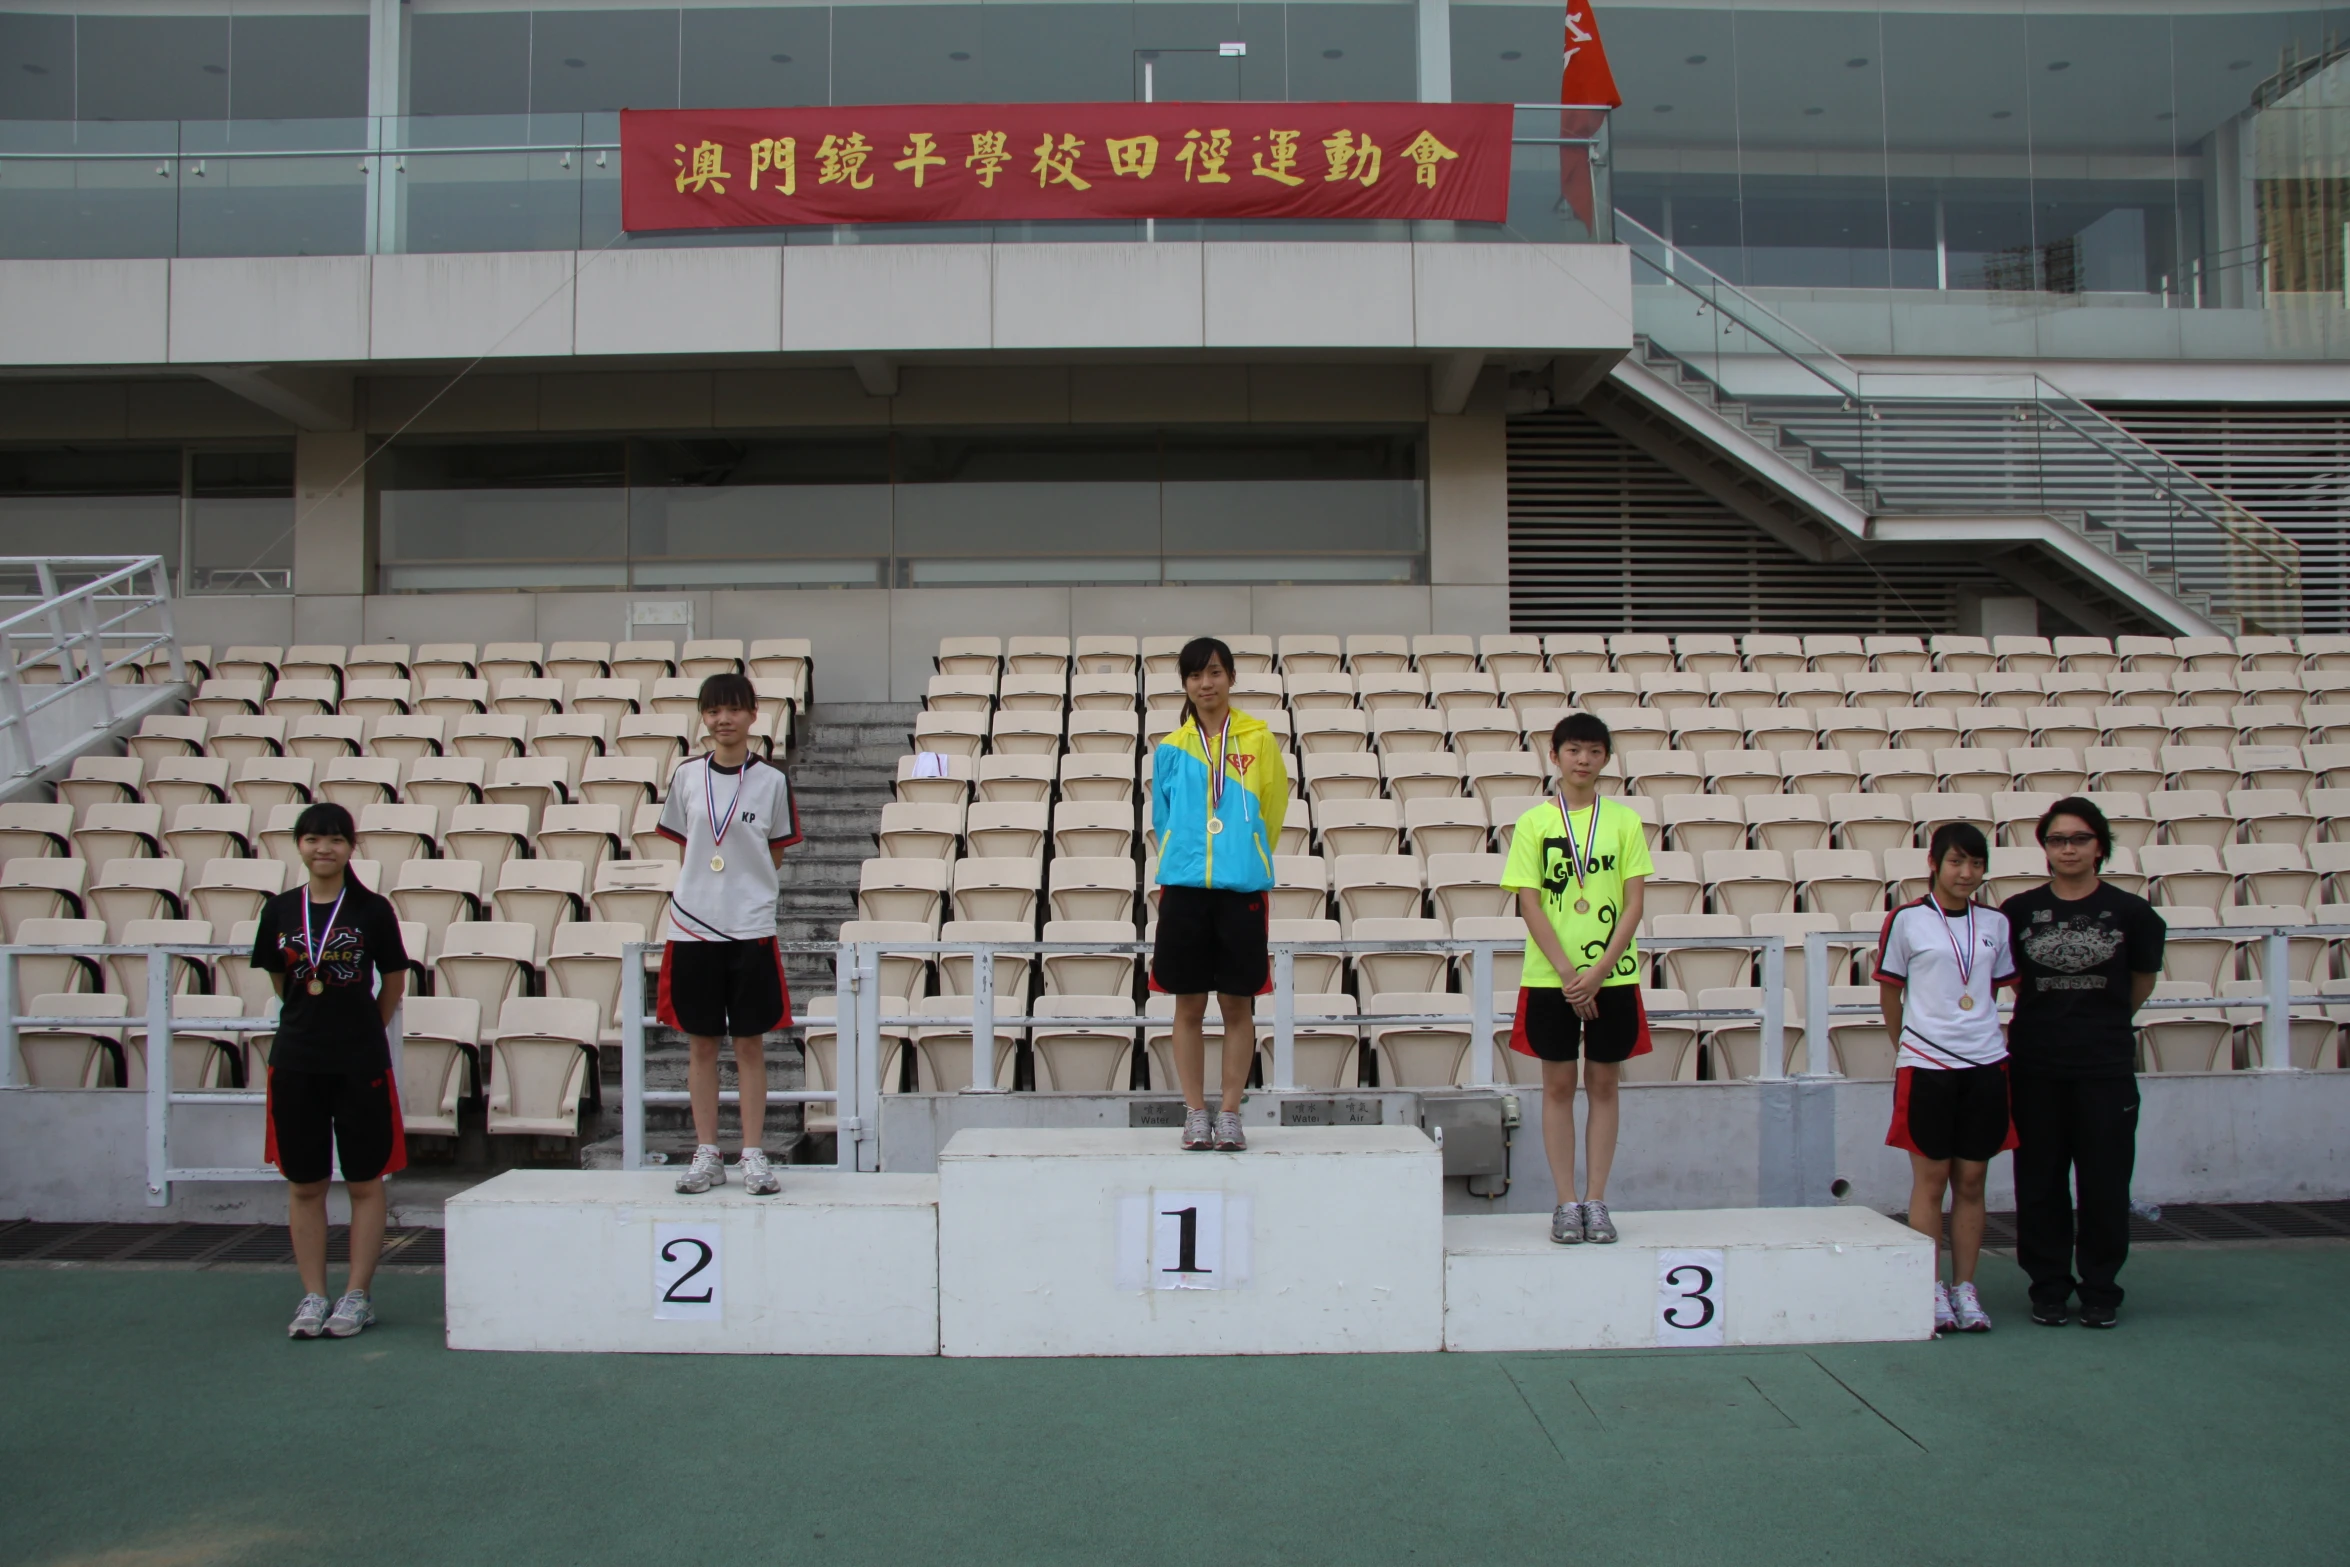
column 1187, row 1240
column 1689, row 1297
column 688, row 1276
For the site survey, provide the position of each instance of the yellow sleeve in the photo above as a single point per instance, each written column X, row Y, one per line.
column 1272, row 786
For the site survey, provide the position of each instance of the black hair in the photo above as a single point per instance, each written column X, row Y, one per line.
column 2087, row 811
column 1587, row 727
column 1965, row 837
column 328, row 820
column 1197, row 654
column 727, row 689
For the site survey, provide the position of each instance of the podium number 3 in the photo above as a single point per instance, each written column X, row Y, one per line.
column 1700, row 1296
column 675, row 1293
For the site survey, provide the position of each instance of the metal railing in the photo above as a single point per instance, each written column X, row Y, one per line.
column 80, row 635
column 471, row 183
column 1956, row 444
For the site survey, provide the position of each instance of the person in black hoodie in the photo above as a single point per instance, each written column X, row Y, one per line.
column 2087, row 956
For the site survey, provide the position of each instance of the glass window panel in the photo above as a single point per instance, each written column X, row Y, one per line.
column 763, row 58
column 1811, row 134
column 581, row 60
column 241, row 522
column 907, row 54
column 997, row 457
column 65, row 208
column 152, row 67
column 1242, row 517
column 1070, row 519
column 1507, row 54
column 1343, row 52
column 36, row 67
column 468, row 62
column 1676, row 137
column 1057, row 53
column 297, row 67
column 1960, row 82
column 1187, row 68
column 477, row 201
column 97, row 525
column 539, row 516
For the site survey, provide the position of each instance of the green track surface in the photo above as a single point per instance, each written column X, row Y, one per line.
column 162, row 1419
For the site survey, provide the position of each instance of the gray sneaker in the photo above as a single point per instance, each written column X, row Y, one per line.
column 309, row 1318
column 1197, row 1133
column 1566, row 1224
column 759, row 1177
column 1229, row 1137
column 707, row 1170
column 353, row 1314
column 1597, row 1226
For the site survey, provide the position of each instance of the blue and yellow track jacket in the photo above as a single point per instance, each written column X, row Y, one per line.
column 1256, row 797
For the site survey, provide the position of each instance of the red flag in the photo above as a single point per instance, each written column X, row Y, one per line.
column 1584, row 78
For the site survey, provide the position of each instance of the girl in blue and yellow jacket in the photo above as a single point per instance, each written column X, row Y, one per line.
column 1218, row 792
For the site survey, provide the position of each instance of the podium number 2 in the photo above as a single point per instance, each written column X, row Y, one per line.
column 676, row 1295
column 1689, row 1297
column 689, row 1273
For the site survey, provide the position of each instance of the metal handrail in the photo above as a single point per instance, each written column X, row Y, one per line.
column 69, row 632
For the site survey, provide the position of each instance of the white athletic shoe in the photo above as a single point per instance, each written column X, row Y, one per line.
column 1945, row 1319
column 1972, row 1318
column 309, row 1318
column 353, row 1314
column 707, row 1170
column 759, row 1177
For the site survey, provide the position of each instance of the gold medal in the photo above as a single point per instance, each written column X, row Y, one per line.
column 1582, row 905
column 1215, row 825
column 318, row 987
column 1966, row 1003
column 717, row 862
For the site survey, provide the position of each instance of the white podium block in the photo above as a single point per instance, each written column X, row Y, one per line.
column 1706, row 1276
column 618, row 1261
column 1317, row 1240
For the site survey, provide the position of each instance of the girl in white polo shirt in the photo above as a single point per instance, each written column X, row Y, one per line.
column 1940, row 962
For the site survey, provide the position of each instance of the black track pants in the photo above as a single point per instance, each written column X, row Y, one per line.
column 2074, row 1133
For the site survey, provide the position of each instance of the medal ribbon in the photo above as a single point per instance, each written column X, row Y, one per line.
column 310, row 948
column 718, row 825
column 1590, row 836
column 1966, row 959
column 1216, row 776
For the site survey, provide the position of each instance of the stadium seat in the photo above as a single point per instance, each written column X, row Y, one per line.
column 1013, row 732
column 1343, row 775
column 2310, row 1039
column 35, row 831
column 227, row 890
column 532, row 782
column 574, row 738
column 1899, row 774
column 1922, row 729
column 59, row 1057
column 126, row 972
column 113, row 832
column 240, row 738
column 200, row 834
column 2015, row 817
column 541, row 894
column 487, row 834
column 103, row 780
column 1372, row 826
column 1088, row 973
column 603, row 697
column 623, row 782
column 1741, row 775
column 2191, row 816
column 436, row 894
column 1096, row 780
column 1093, row 828
column 1321, row 731
column 927, row 832
column 406, row 740
column 586, row 834
column 1039, row 692
column 1508, row 960
column 1095, row 732
column 1736, row 1047
column 2048, row 769
column 161, row 735
column 40, row 887
column 1420, row 1055
column 1301, row 887
column 447, row 660
column 295, row 698
column 903, row 890
column 2204, row 960
column 2007, row 728
column 1108, row 693
column 1077, row 1057
column 661, row 738
column 1003, row 780
column 1011, row 829
column 1769, row 654
column 1973, row 769
column 1310, row 972
column 944, row 1047
column 1376, row 886
column 634, row 892
column 1840, row 882
column 2271, row 873
column 440, row 1063
column 486, row 961
column 1308, row 654
column 1467, row 886
column 542, row 1050
column 1444, row 825
column 127, row 890
column 492, row 737
column 934, row 780
column 2186, row 1040
column 585, row 961
column 1011, row 968
column 994, row 889
column 1673, row 887
column 1417, row 775
column 1401, row 970
column 1785, row 822
column 222, row 698
column 1820, row 774
column 952, row 733
column 1107, row 655
column 394, row 833
column 1092, row 888
column 1747, row 882
column 1378, row 652
column 37, row 973
column 356, row 782
column 1700, row 968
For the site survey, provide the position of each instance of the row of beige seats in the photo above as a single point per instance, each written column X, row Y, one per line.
column 785, row 659
column 1648, row 653
column 358, row 781
column 435, row 893
column 1413, row 691
column 491, row 833
column 663, row 738
column 612, row 700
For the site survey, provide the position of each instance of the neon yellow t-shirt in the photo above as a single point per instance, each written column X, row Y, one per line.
column 1538, row 860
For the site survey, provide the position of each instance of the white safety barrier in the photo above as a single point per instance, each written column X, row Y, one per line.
column 82, row 635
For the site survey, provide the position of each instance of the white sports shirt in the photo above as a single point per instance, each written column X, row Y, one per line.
column 736, row 903
column 1920, row 950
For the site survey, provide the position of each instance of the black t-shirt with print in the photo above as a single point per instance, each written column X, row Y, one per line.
column 340, row 1028
column 2073, row 963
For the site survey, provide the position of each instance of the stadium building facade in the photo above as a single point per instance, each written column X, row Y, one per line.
column 1902, row 317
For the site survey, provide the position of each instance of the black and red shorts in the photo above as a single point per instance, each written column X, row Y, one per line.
column 718, row 989
column 315, row 1119
column 1211, row 938
column 1547, row 1026
column 1960, row 1113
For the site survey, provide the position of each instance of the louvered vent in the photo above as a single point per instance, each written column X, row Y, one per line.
column 2287, row 464
column 1605, row 538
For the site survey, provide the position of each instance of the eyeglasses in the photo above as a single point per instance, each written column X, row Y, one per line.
column 2070, row 840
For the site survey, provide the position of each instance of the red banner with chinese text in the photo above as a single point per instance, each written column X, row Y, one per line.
column 736, row 168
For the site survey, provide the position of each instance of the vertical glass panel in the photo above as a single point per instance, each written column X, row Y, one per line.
column 89, row 207
column 1343, row 52
column 1812, row 149
column 297, row 67
column 152, row 67
column 581, row 60
column 470, row 200
column 2107, row 193
column 553, row 515
column 756, row 58
column 1676, row 137
column 232, row 206
column 907, row 54
column 468, row 62
column 241, row 522
column 1057, row 53
column 1506, row 54
column 36, row 67
column 711, row 513
column 104, row 500
column 1960, row 82
column 1010, row 531
column 1185, row 67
